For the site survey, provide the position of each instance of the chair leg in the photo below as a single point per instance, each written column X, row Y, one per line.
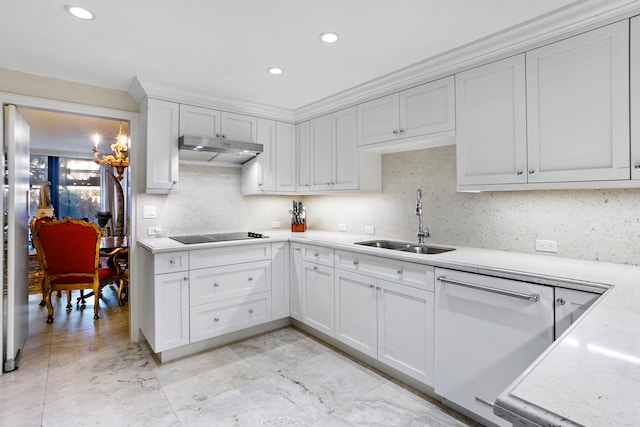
column 42, row 303
column 96, row 301
column 47, row 301
column 69, row 300
column 81, row 299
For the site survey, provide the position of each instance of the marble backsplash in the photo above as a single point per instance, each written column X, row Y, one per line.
column 587, row 224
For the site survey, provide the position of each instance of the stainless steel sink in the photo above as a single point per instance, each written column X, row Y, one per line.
column 415, row 248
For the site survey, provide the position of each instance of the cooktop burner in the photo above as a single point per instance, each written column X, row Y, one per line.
column 219, row 237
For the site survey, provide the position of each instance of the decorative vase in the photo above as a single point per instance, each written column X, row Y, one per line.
column 103, row 218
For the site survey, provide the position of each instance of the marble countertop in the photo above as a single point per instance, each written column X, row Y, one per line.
column 589, row 376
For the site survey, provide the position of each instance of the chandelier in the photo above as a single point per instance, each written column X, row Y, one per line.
column 120, row 160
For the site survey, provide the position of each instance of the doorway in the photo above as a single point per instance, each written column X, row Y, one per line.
column 61, row 143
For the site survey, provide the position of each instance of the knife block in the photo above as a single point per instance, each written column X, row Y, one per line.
column 297, row 227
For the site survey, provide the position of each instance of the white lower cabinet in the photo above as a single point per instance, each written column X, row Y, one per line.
column 295, row 282
column 387, row 321
column 318, row 297
column 164, row 299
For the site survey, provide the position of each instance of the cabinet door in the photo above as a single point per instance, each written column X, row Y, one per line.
column 321, row 157
column 198, row 121
column 318, row 297
column 285, row 157
column 491, row 144
column 161, row 146
column 295, row 282
column 379, row 120
column 428, row 108
column 578, row 107
column 238, row 127
column 569, row 305
column 171, row 295
column 280, row 280
column 345, row 162
column 303, row 157
column 406, row 330
column 356, row 308
column 266, row 135
column 635, row 98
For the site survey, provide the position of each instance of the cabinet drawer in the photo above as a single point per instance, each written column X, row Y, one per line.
column 204, row 258
column 220, row 283
column 171, row 262
column 402, row 272
column 210, row 320
column 318, row 255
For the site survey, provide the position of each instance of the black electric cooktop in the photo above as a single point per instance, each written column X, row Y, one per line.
column 219, row 237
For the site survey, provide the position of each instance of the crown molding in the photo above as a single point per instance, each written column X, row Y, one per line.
column 564, row 23
column 141, row 87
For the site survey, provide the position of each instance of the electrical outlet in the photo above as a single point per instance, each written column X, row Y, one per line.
column 342, row 227
column 369, row 229
column 275, row 224
column 546, row 246
column 154, row 231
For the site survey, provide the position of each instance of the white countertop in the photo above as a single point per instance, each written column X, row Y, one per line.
column 590, row 376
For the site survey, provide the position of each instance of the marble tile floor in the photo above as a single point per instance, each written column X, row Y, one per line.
column 77, row 372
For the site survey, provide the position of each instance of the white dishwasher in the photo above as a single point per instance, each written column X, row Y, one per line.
column 487, row 331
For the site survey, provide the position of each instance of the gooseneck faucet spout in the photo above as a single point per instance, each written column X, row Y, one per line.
column 422, row 231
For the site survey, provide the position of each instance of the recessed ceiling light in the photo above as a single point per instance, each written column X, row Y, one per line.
column 329, row 37
column 79, row 12
column 276, row 71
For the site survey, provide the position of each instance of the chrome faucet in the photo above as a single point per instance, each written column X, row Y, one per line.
column 422, row 231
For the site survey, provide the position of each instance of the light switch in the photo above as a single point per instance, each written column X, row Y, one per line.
column 149, row 211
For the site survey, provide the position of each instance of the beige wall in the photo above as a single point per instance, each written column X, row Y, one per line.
column 25, row 84
column 588, row 224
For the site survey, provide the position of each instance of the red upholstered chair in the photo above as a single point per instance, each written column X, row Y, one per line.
column 35, row 223
column 70, row 255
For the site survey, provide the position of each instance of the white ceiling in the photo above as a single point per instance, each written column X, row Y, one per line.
column 222, row 48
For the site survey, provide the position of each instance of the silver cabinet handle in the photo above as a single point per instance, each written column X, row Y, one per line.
column 528, row 297
column 250, row 279
column 561, row 301
column 186, row 279
column 519, row 173
column 401, row 131
column 216, row 319
column 531, row 172
column 251, row 311
column 400, row 272
column 371, row 286
column 484, row 402
column 296, row 249
column 316, row 254
column 218, row 135
column 355, row 262
column 224, row 135
column 315, row 267
column 636, row 166
column 215, row 285
column 172, row 261
column 395, row 132
column 174, row 182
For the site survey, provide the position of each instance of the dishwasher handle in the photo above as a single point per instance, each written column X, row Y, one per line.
column 528, row 297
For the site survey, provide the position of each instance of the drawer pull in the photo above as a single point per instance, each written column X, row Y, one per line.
column 172, row 261
column 315, row 267
column 371, row 286
column 484, row 402
column 316, row 254
column 216, row 319
column 528, row 297
column 186, row 279
column 251, row 311
column 400, row 272
column 215, row 285
column 355, row 263
column 250, row 279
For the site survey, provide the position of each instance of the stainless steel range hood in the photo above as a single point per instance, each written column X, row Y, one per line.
column 217, row 150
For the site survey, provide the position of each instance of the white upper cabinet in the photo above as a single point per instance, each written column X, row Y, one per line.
column 422, row 110
column 336, row 163
column 635, row 98
column 578, row 107
column 285, row 157
column 303, row 157
column 564, row 125
column 161, row 145
column 238, row 127
column 198, row 121
column 491, row 130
